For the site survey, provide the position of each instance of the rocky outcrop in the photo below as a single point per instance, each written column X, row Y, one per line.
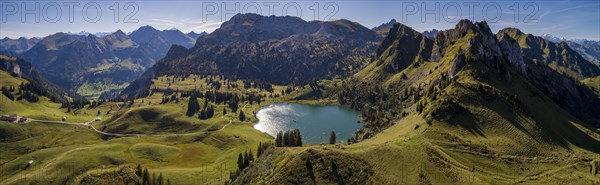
column 512, row 52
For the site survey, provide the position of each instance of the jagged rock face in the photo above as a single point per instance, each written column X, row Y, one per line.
column 473, row 48
column 431, row 33
column 512, row 52
column 404, row 45
column 385, row 26
column 456, row 65
column 558, row 56
column 483, row 43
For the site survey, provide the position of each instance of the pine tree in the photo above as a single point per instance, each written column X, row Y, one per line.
column 299, row 139
column 278, row 139
column 251, row 155
column 138, row 170
column 259, row 151
column 210, row 112
column 242, row 116
column 246, row 159
column 240, row 162
column 154, row 178
column 202, row 115
column 161, row 181
column 145, row 177
column 286, row 139
column 224, row 111
column 332, row 138
column 193, row 106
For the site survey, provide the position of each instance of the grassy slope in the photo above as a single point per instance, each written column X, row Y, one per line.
column 445, row 152
column 493, row 140
column 66, row 150
column 593, row 83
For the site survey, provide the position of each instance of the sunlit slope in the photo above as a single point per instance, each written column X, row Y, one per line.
column 469, row 114
column 70, row 153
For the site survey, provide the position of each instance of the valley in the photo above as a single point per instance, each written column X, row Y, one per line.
column 257, row 100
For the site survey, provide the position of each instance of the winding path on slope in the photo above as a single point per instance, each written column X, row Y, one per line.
column 89, row 124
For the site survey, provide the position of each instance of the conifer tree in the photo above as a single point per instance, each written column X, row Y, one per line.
column 332, row 138
column 242, row 116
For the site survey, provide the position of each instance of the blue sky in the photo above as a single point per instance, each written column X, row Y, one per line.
column 569, row 19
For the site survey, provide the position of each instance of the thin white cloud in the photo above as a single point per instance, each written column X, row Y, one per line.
column 185, row 25
column 566, row 9
column 207, row 27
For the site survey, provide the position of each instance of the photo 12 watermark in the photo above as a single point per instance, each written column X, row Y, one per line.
column 452, row 12
column 72, row 11
column 220, row 11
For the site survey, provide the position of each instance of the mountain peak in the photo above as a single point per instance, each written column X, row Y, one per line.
column 552, row 38
column 385, row 25
column 431, row 33
column 513, row 32
column 253, row 27
column 401, row 47
column 464, row 24
column 195, row 35
column 143, row 34
column 146, row 28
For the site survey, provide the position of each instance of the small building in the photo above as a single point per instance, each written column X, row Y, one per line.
column 11, row 118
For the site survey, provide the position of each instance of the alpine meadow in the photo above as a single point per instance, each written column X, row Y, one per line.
column 306, row 92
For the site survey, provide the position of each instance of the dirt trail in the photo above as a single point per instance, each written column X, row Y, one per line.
column 89, row 124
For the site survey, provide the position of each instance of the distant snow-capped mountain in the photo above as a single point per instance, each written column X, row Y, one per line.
column 552, row 38
column 85, row 33
column 588, row 49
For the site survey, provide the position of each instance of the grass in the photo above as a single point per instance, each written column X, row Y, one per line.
column 593, row 83
column 495, row 139
column 409, row 152
column 62, row 151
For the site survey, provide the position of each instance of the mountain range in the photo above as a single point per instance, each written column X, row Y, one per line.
column 589, row 49
column 458, row 106
column 91, row 65
column 559, row 56
column 278, row 50
column 463, row 104
column 23, row 69
column 19, row 45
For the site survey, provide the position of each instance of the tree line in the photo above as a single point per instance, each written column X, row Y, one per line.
column 288, row 138
column 26, row 91
column 246, row 158
column 146, row 179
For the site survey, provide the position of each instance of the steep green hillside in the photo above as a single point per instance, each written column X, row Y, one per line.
column 167, row 141
column 468, row 113
column 593, row 83
column 558, row 56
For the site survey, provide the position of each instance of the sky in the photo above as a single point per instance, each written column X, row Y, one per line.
column 568, row 19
